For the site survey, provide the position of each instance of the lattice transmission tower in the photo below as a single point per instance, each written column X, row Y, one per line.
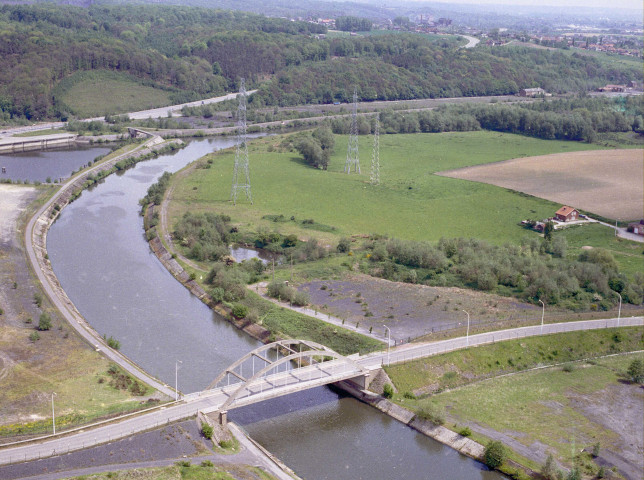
column 241, row 175
column 375, row 157
column 353, row 159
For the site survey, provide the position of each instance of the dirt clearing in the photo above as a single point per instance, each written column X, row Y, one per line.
column 605, row 182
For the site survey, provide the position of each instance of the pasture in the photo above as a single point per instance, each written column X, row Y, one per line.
column 99, row 93
column 609, row 183
column 411, row 202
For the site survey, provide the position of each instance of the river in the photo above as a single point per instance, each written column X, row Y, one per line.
column 99, row 253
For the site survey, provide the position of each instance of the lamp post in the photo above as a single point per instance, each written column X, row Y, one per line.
column 619, row 312
column 176, row 379
column 467, row 335
column 53, row 414
column 543, row 311
column 388, row 342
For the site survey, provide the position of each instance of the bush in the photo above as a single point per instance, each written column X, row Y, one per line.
column 112, row 342
column 207, row 431
column 226, row 444
column 34, row 337
column 301, row 299
column 387, row 391
column 432, row 414
column 44, row 322
column 240, row 311
column 344, row 245
column 207, row 463
column 465, row 432
column 495, row 454
column 636, row 371
column 568, row 367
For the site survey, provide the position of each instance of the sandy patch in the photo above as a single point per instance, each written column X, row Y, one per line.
column 606, row 182
column 13, row 199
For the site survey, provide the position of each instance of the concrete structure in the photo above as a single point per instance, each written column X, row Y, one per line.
column 41, row 142
column 612, row 88
column 281, row 368
column 532, row 92
column 566, row 214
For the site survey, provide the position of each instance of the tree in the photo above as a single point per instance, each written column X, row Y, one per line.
column 316, row 147
column 636, row 371
column 495, row 454
column 549, row 469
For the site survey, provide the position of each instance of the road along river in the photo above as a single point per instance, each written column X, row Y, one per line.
column 99, row 253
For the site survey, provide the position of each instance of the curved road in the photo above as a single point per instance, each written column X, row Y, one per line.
column 137, row 422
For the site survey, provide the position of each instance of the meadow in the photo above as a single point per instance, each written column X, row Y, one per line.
column 98, row 93
column 410, row 202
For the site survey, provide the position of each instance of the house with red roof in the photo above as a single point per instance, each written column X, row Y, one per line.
column 566, row 214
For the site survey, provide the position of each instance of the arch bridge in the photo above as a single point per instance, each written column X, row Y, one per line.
column 277, row 369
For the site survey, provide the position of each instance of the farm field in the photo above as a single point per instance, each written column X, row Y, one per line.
column 411, row 202
column 607, row 183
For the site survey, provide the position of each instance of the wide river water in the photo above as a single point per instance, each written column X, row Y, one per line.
column 99, row 253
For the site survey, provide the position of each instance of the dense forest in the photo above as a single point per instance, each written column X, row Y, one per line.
column 197, row 52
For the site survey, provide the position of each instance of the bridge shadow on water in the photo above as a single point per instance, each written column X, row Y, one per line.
column 294, row 403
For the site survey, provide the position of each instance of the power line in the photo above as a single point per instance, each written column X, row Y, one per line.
column 375, row 157
column 241, row 175
column 353, row 159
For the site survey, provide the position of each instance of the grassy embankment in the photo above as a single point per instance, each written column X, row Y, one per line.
column 184, row 471
column 535, row 406
column 101, row 92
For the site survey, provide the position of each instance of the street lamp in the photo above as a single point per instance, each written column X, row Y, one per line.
column 176, row 379
column 543, row 311
column 53, row 415
column 467, row 335
column 388, row 342
column 619, row 312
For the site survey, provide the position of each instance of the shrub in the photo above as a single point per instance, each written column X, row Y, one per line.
column 38, row 299
column 388, row 391
column 34, row 337
column 301, row 299
column 207, row 463
column 568, row 367
column 465, row 432
column 183, row 463
column 240, row 311
column 409, row 395
column 495, row 454
column 44, row 322
column 432, row 414
column 207, row 431
column 226, row 444
column 344, row 245
column 112, row 342
column 636, row 371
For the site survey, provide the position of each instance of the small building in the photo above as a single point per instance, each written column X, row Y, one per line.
column 532, row 92
column 636, row 227
column 566, row 214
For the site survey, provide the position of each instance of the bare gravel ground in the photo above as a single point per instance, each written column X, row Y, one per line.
column 413, row 311
column 605, row 182
column 177, row 441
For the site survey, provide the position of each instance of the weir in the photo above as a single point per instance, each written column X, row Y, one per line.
column 25, row 144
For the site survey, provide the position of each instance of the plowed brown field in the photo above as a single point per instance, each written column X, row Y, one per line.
column 606, row 182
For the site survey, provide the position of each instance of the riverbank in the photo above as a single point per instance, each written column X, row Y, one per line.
column 36, row 246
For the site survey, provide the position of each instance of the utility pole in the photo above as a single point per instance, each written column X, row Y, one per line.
column 353, row 159
column 375, row 157
column 241, row 175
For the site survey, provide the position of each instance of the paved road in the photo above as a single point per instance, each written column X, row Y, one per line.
column 158, row 416
column 471, row 41
column 78, row 323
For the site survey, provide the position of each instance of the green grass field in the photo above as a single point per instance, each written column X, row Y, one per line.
column 99, row 93
column 410, row 203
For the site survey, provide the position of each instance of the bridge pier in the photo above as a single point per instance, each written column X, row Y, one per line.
column 222, row 416
column 362, row 381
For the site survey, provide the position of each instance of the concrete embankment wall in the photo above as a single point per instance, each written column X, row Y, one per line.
column 27, row 144
column 464, row 445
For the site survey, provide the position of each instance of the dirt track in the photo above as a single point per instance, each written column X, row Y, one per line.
column 604, row 182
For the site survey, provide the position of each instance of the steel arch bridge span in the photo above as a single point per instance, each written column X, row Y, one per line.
column 280, row 368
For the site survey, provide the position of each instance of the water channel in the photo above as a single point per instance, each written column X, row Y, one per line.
column 99, row 253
